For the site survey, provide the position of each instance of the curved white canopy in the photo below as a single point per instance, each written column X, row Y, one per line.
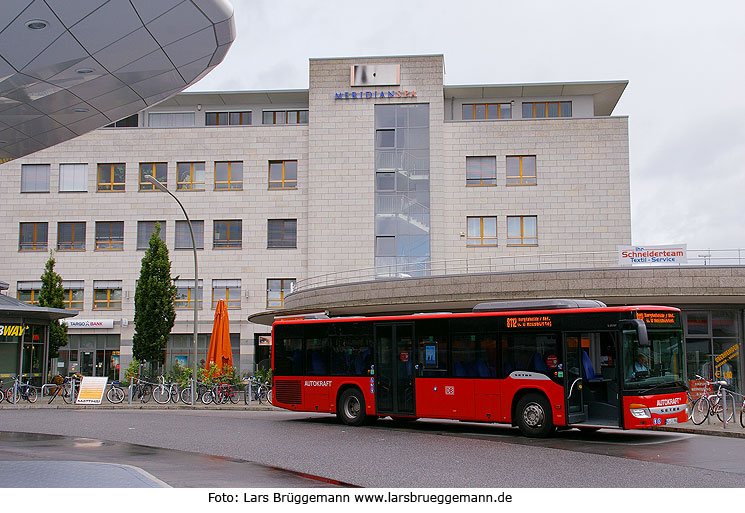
column 69, row 67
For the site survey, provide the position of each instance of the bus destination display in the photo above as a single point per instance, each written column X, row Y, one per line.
column 529, row 321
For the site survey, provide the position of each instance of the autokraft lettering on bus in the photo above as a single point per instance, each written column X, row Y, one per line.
column 317, row 383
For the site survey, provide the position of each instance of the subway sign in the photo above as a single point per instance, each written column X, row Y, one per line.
column 12, row 330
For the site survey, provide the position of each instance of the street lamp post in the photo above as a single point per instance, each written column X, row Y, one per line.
column 195, row 365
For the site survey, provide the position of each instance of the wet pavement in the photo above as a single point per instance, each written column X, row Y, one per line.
column 30, row 460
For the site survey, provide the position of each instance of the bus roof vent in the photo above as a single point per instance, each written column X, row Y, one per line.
column 538, row 304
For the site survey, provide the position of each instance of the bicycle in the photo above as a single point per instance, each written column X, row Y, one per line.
column 141, row 390
column 163, row 393
column 220, row 393
column 257, row 391
column 116, row 393
column 20, row 390
column 185, row 394
column 63, row 389
column 713, row 404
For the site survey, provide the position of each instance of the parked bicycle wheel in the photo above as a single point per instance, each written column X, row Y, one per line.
column 31, row 394
column 2, row 394
column 186, row 395
column 700, row 410
column 147, row 393
column 174, row 394
column 12, row 398
column 232, row 394
column 730, row 403
column 66, row 393
column 207, row 397
column 161, row 394
column 742, row 415
column 115, row 395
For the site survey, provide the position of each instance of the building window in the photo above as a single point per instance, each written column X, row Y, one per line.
column 28, row 291
column 227, row 234
column 170, row 119
column 107, row 295
column 73, row 177
column 547, row 109
column 227, row 290
column 128, row 122
column 281, row 233
column 73, row 299
column 183, row 235
column 33, row 237
column 521, row 170
column 482, row 231
column 158, row 170
column 71, row 236
column 34, row 177
column 285, row 117
column 283, row 174
column 145, row 230
column 111, row 177
column 522, row 231
column 276, row 291
column 227, row 118
column 185, row 294
column 228, row 175
column 487, row 111
column 190, row 176
column 481, row 171
column 109, row 234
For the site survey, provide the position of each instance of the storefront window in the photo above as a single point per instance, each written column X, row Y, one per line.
column 180, row 350
column 713, row 346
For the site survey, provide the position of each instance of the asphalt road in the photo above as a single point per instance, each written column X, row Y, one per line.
column 420, row 454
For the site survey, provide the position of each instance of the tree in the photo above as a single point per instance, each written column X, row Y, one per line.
column 154, row 303
column 52, row 295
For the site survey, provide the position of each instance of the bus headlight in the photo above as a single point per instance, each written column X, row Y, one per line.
column 640, row 411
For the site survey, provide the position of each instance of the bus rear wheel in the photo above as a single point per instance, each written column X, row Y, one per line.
column 351, row 407
column 534, row 416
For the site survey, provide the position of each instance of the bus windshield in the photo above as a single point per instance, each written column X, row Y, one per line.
column 655, row 366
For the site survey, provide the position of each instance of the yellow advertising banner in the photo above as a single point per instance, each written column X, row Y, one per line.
column 91, row 390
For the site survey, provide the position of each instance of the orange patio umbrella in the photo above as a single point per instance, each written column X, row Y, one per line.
column 220, row 352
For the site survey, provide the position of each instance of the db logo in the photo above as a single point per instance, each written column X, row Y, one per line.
column 449, row 390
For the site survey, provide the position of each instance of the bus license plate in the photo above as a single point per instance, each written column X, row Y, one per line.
column 672, row 420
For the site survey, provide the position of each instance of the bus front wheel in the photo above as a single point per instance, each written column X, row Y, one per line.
column 534, row 416
column 351, row 407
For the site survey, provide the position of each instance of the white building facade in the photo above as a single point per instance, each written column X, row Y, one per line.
column 376, row 165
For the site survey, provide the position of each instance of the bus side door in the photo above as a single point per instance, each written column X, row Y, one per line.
column 573, row 390
column 394, row 369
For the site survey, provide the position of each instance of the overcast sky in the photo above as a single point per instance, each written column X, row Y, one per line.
column 684, row 61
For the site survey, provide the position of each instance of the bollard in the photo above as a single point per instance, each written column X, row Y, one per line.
column 72, row 391
column 129, row 399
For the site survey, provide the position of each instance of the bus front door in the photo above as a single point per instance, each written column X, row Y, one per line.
column 573, row 389
column 394, row 364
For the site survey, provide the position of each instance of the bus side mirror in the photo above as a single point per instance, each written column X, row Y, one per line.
column 639, row 326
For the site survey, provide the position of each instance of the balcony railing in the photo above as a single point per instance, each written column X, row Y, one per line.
column 537, row 262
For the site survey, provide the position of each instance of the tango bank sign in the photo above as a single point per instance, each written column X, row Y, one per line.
column 669, row 255
column 89, row 323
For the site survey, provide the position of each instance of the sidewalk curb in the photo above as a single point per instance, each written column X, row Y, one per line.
column 734, row 432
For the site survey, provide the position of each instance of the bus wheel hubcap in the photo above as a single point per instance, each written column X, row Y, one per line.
column 353, row 407
column 533, row 415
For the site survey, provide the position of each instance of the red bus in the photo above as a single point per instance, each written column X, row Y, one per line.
column 539, row 365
